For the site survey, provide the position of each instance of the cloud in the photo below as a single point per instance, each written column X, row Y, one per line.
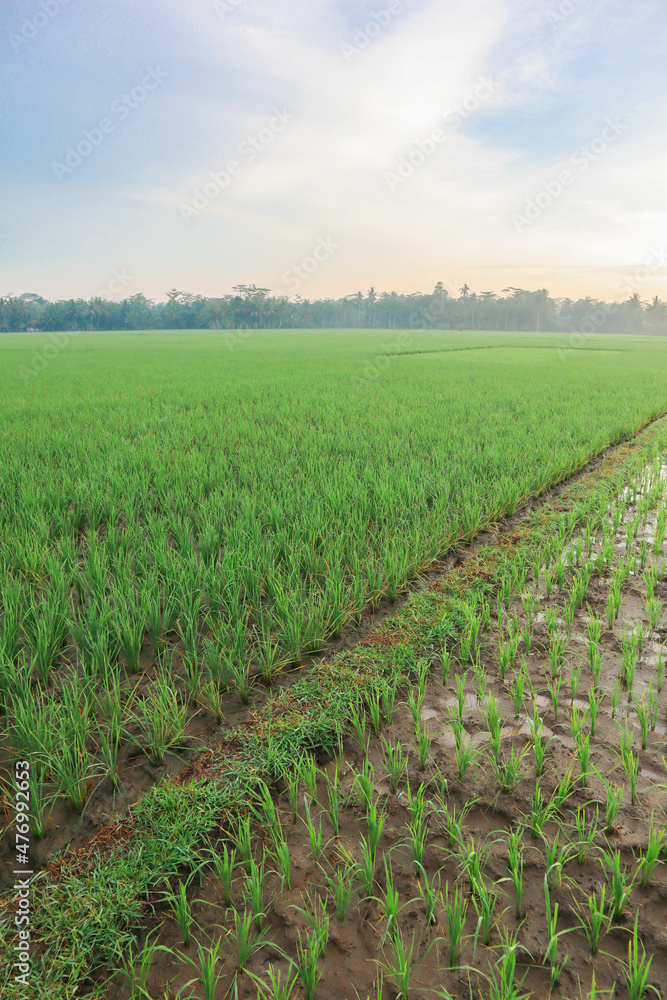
column 364, row 101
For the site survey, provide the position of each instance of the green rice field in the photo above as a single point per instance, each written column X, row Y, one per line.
column 253, row 494
column 188, row 518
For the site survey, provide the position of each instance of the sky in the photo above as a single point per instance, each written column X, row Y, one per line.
column 320, row 147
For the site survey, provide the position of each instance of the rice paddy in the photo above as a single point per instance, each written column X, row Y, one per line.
column 187, row 529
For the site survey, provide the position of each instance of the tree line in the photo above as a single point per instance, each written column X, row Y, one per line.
column 252, row 307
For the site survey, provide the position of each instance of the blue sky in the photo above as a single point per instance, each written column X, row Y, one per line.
column 422, row 141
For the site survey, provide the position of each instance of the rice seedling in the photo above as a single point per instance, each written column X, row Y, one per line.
column 504, row 657
column 557, row 856
column 595, row 921
column 399, row 968
column 268, row 655
column 276, row 988
column 308, row 773
column 515, row 862
column 466, row 753
column 460, row 695
column 373, row 702
column 555, row 967
column 389, row 902
column 638, row 968
column 484, row 900
column 318, row 919
column 358, row 719
column 481, row 679
column 493, row 724
column 643, row 719
column 135, row 967
column 586, row 833
column 527, row 638
column 291, row 782
column 453, row 824
column 246, row 943
column 314, row 833
column 240, row 672
column 560, row 573
column 473, row 862
column 652, row 707
column 541, row 812
column 619, row 881
column 554, row 693
column 244, row 843
column 418, row 831
column 364, row 781
column 518, row 691
column 430, row 897
column 423, row 669
column 212, row 697
column 655, row 611
column 365, row 870
column 508, row 770
column 630, row 761
column 660, row 667
column 562, row 792
column 254, row 893
column 424, row 741
column 74, row 768
column 575, row 676
column 584, row 756
column 225, row 865
column 502, row 976
column 593, row 706
column 375, row 821
column 455, row 909
column 557, row 653
column 161, row 719
column 613, row 801
column 651, row 856
column 341, row 887
column 549, row 582
column 180, row 909
column 395, row 763
column 611, row 609
column 389, row 701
